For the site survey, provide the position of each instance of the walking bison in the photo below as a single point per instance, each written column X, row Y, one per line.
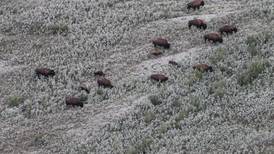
column 199, row 23
column 103, row 82
column 46, row 72
column 195, row 4
column 203, row 67
column 214, row 37
column 228, row 29
column 159, row 77
column 74, row 101
column 161, row 42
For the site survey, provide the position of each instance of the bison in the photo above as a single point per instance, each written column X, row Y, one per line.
column 103, row 82
column 74, row 101
column 99, row 73
column 228, row 29
column 199, row 23
column 203, row 68
column 195, row 4
column 159, row 77
column 214, row 37
column 161, row 42
column 171, row 62
column 44, row 72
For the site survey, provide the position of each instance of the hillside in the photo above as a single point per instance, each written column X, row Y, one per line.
column 228, row 110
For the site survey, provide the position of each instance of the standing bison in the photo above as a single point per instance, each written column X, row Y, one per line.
column 99, row 73
column 195, row 4
column 74, row 101
column 103, row 82
column 161, row 42
column 159, row 77
column 228, row 29
column 46, row 72
column 214, row 37
column 203, row 68
column 199, row 23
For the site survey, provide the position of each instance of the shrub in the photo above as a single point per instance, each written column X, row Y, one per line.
column 252, row 72
column 58, row 29
column 148, row 117
column 217, row 56
column 38, row 140
column 198, row 75
column 195, row 101
column 141, row 147
column 155, row 100
column 218, row 88
column 15, row 101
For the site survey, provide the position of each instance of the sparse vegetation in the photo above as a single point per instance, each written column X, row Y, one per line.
column 253, row 71
column 15, row 101
column 217, row 56
column 155, row 100
column 60, row 28
column 193, row 112
column 149, row 117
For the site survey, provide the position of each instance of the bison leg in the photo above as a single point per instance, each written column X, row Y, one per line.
column 189, row 26
column 204, row 27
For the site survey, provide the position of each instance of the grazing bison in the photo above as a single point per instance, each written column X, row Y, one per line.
column 203, row 68
column 44, row 72
column 195, row 4
column 214, row 37
column 228, row 29
column 74, row 101
column 199, row 23
column 103, row 82
column 99, row 73
column 171, row 62
column 161, row 42
column 159, row 77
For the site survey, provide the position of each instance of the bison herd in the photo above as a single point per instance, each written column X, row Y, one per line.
column 102, row 81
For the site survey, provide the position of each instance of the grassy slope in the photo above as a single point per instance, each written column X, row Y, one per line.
column 199, row 112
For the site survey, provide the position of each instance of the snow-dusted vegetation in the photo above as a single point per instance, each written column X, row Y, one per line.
column 228, row 110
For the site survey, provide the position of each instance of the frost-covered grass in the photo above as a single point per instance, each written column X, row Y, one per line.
column 228, row 110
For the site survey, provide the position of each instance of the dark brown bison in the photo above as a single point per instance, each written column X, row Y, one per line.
column 228, row 29
column 203, row 68
column 214, row 37
column 99, row 73
column 159, row 77
column 195, row 4
column 44, row 72
column 199, row 23
column 74, row 101
column 161, row 42
column 171, row 62
column 103, row 82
